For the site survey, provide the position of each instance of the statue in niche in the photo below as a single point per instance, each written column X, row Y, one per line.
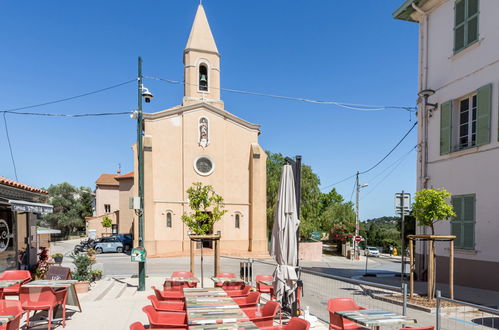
column 203, row 132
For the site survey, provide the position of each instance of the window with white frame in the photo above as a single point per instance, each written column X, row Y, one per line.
column 467, row 108
column 107, row 208
column 237, row 220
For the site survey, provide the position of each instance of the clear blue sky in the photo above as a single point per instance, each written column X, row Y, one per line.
column 351, row 51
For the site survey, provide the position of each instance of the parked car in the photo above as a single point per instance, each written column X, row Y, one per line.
column 371, row 251
column 126, row 239
column 109, row 244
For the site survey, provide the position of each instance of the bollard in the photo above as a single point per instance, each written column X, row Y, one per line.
column 404, row 299
column 438, row 321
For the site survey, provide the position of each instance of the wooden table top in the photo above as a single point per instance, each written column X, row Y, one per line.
column 50, row 283
column 206, row 292
column 210, row 302
column 226, row 326
column 227, row 279
column 267, row 282
column 182, row 279
column 375, row 317
column 7, row 283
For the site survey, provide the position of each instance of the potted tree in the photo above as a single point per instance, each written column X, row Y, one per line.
column 82, row 273
column 429, row 207
column 207, row 208
column 57, row 257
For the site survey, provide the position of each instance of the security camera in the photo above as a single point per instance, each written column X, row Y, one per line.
column 147, row 95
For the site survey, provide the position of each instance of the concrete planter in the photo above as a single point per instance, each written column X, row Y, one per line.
column 311, row 251
column 82, row 286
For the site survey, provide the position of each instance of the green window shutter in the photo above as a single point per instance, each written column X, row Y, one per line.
column 484, row 107
column 445, row 127
column 459, row 25
column 468, row 228
column 456, row 222
column 472, row 24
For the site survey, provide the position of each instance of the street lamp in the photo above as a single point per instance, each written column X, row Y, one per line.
column 357, row 220
column 143, row 92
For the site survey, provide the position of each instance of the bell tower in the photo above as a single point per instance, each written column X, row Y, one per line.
column 201, row 64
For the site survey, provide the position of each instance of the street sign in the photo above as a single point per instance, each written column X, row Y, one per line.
column 402, row 203
column 358, row 238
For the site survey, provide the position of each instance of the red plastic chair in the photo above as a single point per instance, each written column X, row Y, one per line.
column 297, row 323
column 268, row 313
column 139, row 326
column 168, row 295
column 167, row 305
column 36, row 299
column 263, row 288
column 13, row 290
column 342, row 304
column 423, row 328
column 165, row 319
column 250, row 301
column 239, row 293
column 11, row 307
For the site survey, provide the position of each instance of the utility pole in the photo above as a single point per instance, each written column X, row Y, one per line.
column 140, row 156
column 402, row 271
column 357, row 188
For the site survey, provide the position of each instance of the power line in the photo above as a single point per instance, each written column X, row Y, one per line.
column 69, row 98
column 10, row 146
column 371, row 180
column 393, row 149
column 353, row 189
column 373, row 167
column 76, row 115
column 351, row 106
column 398, row 163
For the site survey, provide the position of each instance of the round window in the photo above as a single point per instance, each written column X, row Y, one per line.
column 204, row 165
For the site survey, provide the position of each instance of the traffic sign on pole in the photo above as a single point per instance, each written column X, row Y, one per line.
column 358, row 238
column 402, row 203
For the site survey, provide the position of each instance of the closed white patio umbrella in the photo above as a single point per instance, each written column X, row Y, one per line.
column 283, row 245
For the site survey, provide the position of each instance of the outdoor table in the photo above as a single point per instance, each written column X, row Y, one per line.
column 210, row 303
column 72, row 298
column 374, row 318
column 215, row 316
column 7, row 283
column 227, row 279
column 182, row 279
column 226, row 326
column 4, row 319
column 204, row 292
column 267, row 282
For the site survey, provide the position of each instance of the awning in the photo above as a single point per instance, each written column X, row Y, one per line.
column 23, row 206
column 42, row 230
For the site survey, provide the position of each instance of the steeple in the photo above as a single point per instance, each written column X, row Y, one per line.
column 201, row 64
column 201, row 37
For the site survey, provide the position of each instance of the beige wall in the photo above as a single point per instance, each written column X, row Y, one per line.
column 127, row 215
column 96, row 223
column 106, row 194
column 171, row 148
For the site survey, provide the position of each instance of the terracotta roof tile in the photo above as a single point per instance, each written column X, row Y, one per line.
column 15, row 184
column 124, row 176
column 107, row 179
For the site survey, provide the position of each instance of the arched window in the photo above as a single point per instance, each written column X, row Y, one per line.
column 203, row 78
column 237, row 220
column 169, row 219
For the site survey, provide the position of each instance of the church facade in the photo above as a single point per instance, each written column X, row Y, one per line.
column 200, row 141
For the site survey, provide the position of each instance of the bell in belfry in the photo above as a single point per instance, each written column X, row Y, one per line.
column 203, row 79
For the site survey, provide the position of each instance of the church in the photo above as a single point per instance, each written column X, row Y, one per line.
column 201, row 141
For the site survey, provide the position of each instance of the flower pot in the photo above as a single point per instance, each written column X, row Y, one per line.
column 82, row 286
column 58, row 260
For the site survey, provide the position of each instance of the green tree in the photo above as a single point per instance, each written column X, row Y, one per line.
column 310, row 194
column 207, row 209
column 430, row 206
column 71, row 206
column 106, row 222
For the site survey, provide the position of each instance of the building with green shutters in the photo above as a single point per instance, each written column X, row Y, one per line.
column 458, row 116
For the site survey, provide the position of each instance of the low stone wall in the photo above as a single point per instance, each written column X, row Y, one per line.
column 311, row 251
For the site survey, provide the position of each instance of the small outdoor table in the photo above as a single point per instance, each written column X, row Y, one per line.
column 200, row 292
column 267, row 282
column 374, row 318
column 215, row 316
column 210, row 303
column 7, row 283
column 4, row 319
column 72, row 298
column 182, row 279
column 226, row 326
